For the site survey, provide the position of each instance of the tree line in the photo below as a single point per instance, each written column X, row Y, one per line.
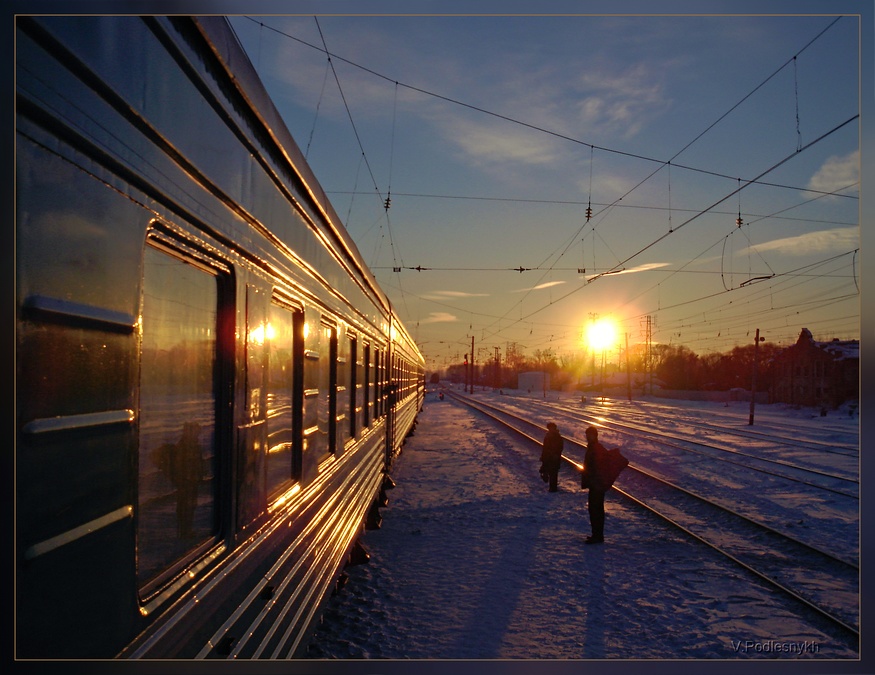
column 664, row 365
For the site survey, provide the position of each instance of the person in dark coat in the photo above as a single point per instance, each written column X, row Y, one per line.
column 551, row 456
column 183, row 464
column 591, row 480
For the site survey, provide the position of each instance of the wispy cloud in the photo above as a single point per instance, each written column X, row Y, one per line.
column 643, row 268
column 838, row 240
column 619, row 101
column 439, row 317
column 603, row 102
column 646, row 267
column 539, row 287
column 451, row 295
column 548, row 284
column 837, row 173
column 485, row 141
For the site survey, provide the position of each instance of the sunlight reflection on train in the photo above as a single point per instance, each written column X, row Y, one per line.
column 260, row 333
column 285, row 497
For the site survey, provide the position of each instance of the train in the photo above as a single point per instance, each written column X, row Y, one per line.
column 211, row 385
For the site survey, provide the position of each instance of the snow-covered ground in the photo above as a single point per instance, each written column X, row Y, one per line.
column 475, row 560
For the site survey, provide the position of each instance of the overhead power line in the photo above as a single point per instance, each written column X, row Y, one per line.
column 544, row 130
column 620, row 263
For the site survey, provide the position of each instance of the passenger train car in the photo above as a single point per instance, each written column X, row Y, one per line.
column 211, row 385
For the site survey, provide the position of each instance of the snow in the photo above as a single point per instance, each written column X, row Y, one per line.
column 475, row 560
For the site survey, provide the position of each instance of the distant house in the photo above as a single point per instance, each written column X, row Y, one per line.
column 812, row 373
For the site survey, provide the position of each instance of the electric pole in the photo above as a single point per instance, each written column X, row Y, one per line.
column 753, row 384
column 497, row 367
column 472, row 364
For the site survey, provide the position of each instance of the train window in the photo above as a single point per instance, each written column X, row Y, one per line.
column 343, row 395
column 283, row 452
column 314, row 441
column 380, row 383
column 328, row 389
column 377, row 386
column 177, row 431
column 366, row 387
column 354, row 382
column 384, row 382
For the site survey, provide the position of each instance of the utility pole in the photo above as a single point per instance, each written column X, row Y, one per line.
column 753, row 384
column 497, row 367
column 472, row 364
column 628, row 369
column 647, row 356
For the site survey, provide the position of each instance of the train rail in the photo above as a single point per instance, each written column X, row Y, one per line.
column 827, row 429
column 845, row 485
column 738, row 425
column 820, row 581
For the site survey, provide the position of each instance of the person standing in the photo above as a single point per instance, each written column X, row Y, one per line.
column 591, row 480
column 551, row 456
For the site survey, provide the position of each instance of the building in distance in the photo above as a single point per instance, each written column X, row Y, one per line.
column 812, row 373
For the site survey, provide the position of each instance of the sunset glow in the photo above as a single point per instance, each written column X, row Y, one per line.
column 601, row 335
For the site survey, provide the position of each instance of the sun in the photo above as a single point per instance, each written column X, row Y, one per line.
column 601, row 335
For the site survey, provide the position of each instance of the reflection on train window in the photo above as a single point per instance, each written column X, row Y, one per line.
column 280, row 388
column 177, row 411
column 342, row 382
column 378, row 383
column 366, row 389
column 328, row 389
column 354, row 380
column 314, row 441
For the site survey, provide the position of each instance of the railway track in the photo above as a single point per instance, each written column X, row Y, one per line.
column 736, row 424
column 823, row 583
column 845, row 485
column 723, row 425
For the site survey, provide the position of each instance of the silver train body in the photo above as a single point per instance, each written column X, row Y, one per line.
column 211, row 385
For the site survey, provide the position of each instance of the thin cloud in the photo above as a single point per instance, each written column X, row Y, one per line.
column 484, row 141
column 539, row 287
column 620, row 101
column 837, row 173
column 646, row 267
column 825, row 241
column 445, row 295
column 440, row 317
column 604, row 102
column 643, row 268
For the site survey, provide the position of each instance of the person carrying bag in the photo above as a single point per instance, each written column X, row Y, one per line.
column 600, row 469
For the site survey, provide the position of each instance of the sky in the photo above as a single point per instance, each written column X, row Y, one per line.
column 717, row 155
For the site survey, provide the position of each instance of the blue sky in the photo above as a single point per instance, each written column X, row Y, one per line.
column 493, row 134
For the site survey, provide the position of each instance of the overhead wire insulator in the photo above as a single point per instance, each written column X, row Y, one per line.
column 588, row 213
column 387, row 203
column 738, row 221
